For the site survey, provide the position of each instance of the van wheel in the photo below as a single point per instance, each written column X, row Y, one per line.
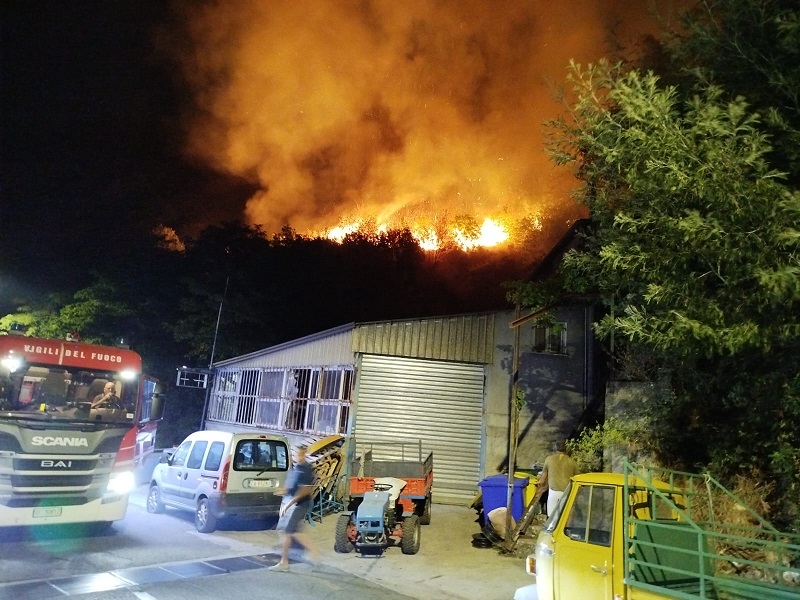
column 204, row 521
column 154, row 504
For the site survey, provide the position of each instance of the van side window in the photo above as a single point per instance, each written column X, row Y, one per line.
column 575, row 529
column 592, row 511
column 214, row 458
column 601, row 516
column 179, row 458
column 196, row 456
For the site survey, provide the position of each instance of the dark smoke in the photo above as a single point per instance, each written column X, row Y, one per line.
column 390, row 109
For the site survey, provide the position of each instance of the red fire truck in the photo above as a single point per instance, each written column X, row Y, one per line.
column 76, row 420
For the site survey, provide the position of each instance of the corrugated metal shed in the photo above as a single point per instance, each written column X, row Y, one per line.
column 329, row 347
column 463, row 338
column 439, row 403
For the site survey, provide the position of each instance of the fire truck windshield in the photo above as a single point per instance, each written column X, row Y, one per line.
column 68, row 393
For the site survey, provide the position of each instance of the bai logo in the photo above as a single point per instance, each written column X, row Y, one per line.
column 56, row 464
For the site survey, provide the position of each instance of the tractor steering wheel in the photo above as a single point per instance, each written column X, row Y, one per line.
column 382, row 487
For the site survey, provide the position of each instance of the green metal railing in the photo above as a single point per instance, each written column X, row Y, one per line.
column 688, row 537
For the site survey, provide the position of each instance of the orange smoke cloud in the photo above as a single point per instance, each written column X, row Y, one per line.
column 390, row 109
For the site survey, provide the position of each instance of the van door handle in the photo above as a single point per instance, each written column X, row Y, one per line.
column 601, row 570
column 185, row 475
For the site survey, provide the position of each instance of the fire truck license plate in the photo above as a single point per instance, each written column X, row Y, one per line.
column 48, row 511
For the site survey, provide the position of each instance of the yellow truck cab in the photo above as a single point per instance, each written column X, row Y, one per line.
column 633, row 536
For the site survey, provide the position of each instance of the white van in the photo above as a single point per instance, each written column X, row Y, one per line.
column 220, row 474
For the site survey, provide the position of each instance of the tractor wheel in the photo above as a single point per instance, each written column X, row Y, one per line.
column 342, row 543
column 425, row 517
column 154, row 504
column 204, row 521
column 409, row 543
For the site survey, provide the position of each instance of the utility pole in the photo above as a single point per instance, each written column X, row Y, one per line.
column 219, row 317
column 513, row 434
column 513, row 426
column 211, row 360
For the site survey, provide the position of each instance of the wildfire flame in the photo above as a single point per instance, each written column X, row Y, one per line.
column 491, row 233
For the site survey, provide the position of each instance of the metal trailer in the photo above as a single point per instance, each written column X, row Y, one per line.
column 399, row 459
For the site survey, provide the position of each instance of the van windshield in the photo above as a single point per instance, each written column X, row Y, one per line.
column 261, row 455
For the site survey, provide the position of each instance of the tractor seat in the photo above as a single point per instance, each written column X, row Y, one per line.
column 397, row 486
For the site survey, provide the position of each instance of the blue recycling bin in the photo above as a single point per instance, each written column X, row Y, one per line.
column 494, row 490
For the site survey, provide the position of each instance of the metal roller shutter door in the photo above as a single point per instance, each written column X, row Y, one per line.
column 439, row 402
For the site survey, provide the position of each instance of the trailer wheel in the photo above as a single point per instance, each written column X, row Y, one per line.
column 409, row 543
column 342, row 542
column 204, row 521
column 154, row 504
column 425, row 517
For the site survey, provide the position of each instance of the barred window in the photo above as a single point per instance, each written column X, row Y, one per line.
column 251, row 382
column 550, row 339
column 272, row 383
column 226, row 380
column 307, row 382
column 336, row 383
column 304, row 399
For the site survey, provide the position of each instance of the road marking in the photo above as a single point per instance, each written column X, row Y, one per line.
column 144, row 596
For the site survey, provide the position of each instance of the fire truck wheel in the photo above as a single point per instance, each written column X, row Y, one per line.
column 102, row 527
column 154, row 504
column 204, row 521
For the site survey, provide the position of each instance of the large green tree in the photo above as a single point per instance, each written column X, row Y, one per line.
column 694, row 244
column 749, row 48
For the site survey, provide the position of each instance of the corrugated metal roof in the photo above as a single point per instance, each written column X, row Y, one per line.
column 463, row 338
column 329, row 347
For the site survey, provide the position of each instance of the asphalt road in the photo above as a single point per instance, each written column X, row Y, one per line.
column 162, row 557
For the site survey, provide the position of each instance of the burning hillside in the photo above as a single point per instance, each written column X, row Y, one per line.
column 465, row 232
column 356, row 114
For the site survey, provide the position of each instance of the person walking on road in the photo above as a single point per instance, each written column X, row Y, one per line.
column 558, row 469
column 296, row 494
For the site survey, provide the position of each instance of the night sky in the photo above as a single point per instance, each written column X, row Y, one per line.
column 121, row 115
column 91, row 137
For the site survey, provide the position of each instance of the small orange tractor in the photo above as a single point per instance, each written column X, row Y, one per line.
column 390, row 497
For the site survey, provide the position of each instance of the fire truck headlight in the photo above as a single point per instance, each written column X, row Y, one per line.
column 121, row 483
column 12, row 363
